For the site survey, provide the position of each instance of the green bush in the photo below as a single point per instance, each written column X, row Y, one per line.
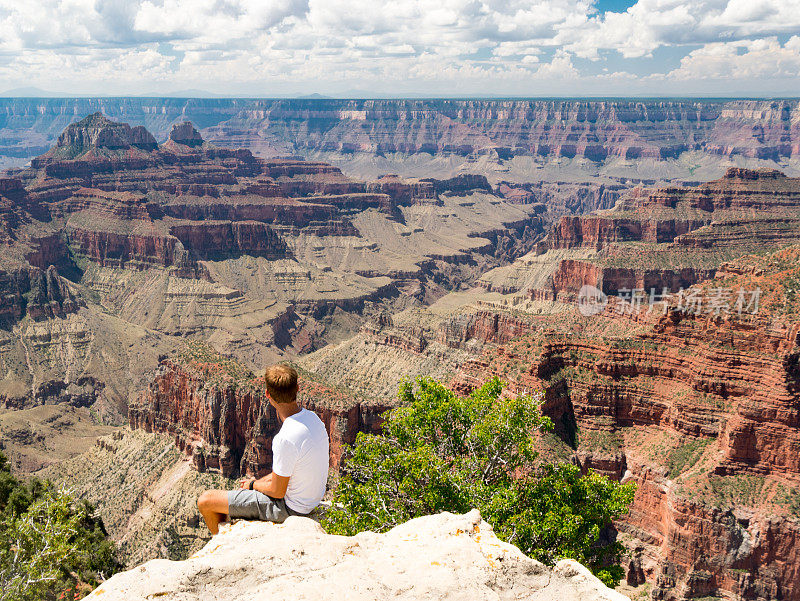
column 442, row 452
column 51, row 545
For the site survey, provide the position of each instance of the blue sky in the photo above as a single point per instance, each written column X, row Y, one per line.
column 615, row 6
column 403, row 47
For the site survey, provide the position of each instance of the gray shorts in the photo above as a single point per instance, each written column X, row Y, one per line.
column 245, row 504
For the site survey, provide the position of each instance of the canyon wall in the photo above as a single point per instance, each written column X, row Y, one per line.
column 597, row 130
column 672, row 238
column 702, row 412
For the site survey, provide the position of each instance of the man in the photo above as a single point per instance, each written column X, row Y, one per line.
column 299, row 464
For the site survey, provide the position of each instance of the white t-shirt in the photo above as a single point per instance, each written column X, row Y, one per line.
column 300, row 452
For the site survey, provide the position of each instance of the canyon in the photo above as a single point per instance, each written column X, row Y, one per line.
column 700, row 410
column 697, row 405
column 148, row 283
column 117, row 248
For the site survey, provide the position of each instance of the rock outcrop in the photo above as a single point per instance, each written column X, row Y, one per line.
column 185, row 134
column 98, row 132
column 38, row 293
column 443, row 556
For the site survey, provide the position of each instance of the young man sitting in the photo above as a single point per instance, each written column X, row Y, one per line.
column 299, row 464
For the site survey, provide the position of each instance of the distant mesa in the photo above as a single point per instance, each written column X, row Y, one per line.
column 98, row 137
column 186, row 135
column 753, row 174
column 98, row 132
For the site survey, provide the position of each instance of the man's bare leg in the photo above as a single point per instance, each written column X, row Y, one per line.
column 213, row 506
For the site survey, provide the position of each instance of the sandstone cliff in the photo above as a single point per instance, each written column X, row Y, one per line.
column 445, row 556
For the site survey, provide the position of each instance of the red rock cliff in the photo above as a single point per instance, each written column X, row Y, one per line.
column 676, row 237
column 221, row 418
column 702, row 412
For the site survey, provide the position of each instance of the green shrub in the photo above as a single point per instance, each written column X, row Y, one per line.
column 51, row 545
column 442, row 452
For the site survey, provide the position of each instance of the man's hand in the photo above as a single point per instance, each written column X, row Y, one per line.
column 245, row 482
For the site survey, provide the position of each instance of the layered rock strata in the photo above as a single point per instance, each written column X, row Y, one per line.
column 673, row 238
column 596, row 130
column 698, row 405
column 700, row 411
column 110, row 236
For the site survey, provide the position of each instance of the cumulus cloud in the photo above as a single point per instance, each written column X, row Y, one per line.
column 652, row 24
column 212, row 23
column 751, row 59
column 465, row 46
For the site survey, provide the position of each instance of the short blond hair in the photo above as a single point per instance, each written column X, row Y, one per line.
column 281, row 382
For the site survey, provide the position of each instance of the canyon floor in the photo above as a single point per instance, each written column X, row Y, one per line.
column 145, row 283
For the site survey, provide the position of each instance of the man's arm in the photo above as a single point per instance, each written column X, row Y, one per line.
column 272, row 485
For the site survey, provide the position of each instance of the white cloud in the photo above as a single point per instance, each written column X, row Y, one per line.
column 651, row 24
column 464, row 46
column 747, row 60
column 209, row 22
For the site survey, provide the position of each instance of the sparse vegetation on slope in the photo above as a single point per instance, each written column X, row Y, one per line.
column 145, row 492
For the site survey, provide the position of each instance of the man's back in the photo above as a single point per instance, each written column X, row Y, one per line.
column 300, row 452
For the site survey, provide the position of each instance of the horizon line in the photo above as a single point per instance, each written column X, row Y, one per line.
column 431, row 97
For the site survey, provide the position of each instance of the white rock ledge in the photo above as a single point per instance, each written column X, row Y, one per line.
column 443, row 556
